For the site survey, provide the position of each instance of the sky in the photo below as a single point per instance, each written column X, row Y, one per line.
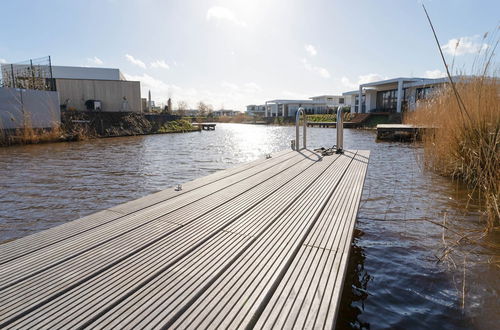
column 231, row 53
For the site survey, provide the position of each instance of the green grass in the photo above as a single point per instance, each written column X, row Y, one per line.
column 177, row 126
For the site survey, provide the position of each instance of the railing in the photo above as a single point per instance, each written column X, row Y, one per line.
column 340, row 131
column 296, row 145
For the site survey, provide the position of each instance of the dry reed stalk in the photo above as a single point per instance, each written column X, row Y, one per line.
column 464, row 143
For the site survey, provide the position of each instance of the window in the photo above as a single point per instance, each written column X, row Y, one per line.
column 387, row 100
column 341, row 100
column 423, row 93
column 330, row 99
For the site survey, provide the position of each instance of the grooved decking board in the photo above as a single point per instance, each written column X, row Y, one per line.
column 25, row 245
column 255, row 245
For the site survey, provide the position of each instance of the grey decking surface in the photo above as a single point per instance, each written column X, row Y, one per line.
column 261, row 245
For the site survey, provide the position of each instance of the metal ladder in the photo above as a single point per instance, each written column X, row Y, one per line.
column 340, row 131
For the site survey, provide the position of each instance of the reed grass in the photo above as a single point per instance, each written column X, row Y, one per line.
column 463, row 141
column 465, row 146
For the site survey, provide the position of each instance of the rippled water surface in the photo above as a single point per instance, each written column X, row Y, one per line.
column 398, row 277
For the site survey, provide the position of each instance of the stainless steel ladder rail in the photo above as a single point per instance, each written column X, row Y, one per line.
column 340, row 131
column 297, row 131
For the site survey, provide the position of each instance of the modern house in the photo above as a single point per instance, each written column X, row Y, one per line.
column 392, row 95
column 225, row 113
column 288, row 108
column 256, row 110
column 330, row 100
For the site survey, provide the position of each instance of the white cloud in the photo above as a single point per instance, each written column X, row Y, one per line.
column 159, row 64
column 2, row 60
column 319, row 70
column 294, row 95
column 219, row 13
column 94, row 61
column 434, row 74
column 252, row 87
column 363, row 79
column 228, row 85
column 135, row 61
column 464, row 45
column 311, row 50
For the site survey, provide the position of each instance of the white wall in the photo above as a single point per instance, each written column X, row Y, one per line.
column 110, row 92
column 22, row 108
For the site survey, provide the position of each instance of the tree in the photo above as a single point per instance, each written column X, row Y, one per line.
column 182, row 107
column 204, row 109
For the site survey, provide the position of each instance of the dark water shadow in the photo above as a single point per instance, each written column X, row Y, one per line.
column 355, row 289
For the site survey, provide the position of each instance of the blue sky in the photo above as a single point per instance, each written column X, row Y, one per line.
column 236, row 52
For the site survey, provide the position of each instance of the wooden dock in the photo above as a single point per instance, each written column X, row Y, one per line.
column 206, row 126
column 261, row 245
column 400, row 132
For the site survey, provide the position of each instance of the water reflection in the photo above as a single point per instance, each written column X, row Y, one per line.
column 355, row 290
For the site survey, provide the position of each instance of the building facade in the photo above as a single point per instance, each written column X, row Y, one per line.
column 256, row 110
column 392, row 95
column 225, row 113
column 79, row 86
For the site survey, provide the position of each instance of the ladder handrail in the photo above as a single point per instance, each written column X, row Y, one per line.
column 297, row 132
column 340, row 130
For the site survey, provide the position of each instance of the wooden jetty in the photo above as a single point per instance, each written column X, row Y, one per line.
column 399, row 132
column 262, row 245
column 206, row 126
column 322, row 124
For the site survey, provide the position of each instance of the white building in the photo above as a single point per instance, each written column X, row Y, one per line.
column 80, row 86
column 225, row 113
column 256, row 110
column 392, row 95
column 322, row 104
column 330, row 100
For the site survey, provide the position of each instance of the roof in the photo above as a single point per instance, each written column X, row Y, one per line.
column 320, row 96
column 78, row 72
column 295, row 101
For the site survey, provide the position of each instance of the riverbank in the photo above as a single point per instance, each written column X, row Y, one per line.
column 79, row 125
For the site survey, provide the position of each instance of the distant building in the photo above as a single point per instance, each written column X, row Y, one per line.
column 322, row 104
column 392, row 95
column 81, row 88
column 225, row 113
column 288, row 108
column 78, row 85
column 256, row 110
column 330, row 100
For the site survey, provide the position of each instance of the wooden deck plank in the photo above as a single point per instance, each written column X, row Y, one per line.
column 264, row 245
column 308, row 295
column 235, row 297
column 185, row 238
column 186, row 279
column 22, row 246
column 200, row 201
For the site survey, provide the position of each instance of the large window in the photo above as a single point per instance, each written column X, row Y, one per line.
column 387, row 100
column 363, row 103
column 424, row 92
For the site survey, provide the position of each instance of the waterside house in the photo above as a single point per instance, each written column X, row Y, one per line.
column 392, row 95
column 386, row 96
column 225, row 113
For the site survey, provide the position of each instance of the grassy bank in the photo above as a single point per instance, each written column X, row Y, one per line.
column 84, row 126
column 465, row 142
column 178, row 126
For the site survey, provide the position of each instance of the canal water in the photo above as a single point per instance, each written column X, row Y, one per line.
column 406, row 270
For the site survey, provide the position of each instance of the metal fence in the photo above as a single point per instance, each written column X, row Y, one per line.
column 35, row 74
